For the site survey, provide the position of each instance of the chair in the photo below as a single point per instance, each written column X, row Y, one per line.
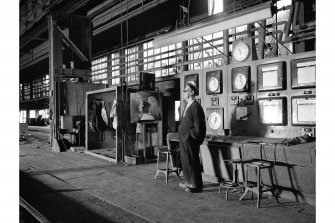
column 259, row 164
column 170, row 165
column 234, row 184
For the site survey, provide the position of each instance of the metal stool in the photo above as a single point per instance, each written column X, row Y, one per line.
column 169, row 166
column 259, row 188
column 234, row 184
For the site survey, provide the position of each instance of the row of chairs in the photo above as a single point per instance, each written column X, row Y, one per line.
column 171, row 165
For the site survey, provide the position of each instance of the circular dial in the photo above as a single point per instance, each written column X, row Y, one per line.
column 240, row 81
column 214, row 120
column 241, row 51
column 213, row 84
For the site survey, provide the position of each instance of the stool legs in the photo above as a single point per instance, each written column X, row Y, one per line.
column 234, row 184
column 246, row 184
column 158, row 170
column 258, row 190
column 272, row 190
column 167, row 170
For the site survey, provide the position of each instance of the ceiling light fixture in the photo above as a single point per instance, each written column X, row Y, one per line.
column 216, row 24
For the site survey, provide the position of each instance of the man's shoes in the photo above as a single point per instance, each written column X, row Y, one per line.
column 193, row 190
column 182, row 185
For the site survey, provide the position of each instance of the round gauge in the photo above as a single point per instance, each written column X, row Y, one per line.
column 240, row 81
column 241, row 51
column 213, row 84
column 214, row 120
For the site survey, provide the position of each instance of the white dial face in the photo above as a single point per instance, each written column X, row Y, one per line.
column 214, row 120
column 241, row 51
column 213, row 84
column 240, row 81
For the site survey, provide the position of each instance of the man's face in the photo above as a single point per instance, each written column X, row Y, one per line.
column 187, row 92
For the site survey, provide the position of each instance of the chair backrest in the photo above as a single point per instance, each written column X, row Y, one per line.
column 262, row 151
column 174, row 156
column 169, row 138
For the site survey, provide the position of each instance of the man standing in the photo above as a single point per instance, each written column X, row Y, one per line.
column 192, row 132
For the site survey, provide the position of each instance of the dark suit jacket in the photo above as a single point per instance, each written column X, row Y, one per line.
column 193, row 124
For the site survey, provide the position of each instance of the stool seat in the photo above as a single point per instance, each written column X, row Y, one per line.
column 260, row 163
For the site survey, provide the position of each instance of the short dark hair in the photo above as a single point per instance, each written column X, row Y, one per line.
column 193, row 88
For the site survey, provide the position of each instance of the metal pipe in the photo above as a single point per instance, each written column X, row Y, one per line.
column 296, row 12
column 226, row 46
column 288, row 24
column 261, row 44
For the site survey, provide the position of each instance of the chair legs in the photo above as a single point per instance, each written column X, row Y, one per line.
column 234, row 184
column 167, row 169
column 258, row 189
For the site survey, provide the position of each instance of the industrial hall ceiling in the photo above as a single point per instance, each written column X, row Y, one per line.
column 137, row 20
column 116, row 23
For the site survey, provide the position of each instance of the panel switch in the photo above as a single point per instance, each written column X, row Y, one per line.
column 234, row 100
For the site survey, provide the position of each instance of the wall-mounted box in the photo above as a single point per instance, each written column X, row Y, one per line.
column 271, row 76
column 272, row 111
column 214, row 82
column 304, row 110
column 214, row 120
column 303, row 73
column 240, row 79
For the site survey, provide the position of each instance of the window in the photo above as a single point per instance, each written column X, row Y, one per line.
column 43, row 113
column 26, row 91
column 115, row 67
column 176, row 111
column 23, row 116
column 41, row 87
column 131, row 60
column 163, row 61
column 99, row 70
column 32, row 114
column 206, row 51
column 215, row 6
column 275, row 30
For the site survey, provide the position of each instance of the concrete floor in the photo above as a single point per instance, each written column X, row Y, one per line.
column 76, row 187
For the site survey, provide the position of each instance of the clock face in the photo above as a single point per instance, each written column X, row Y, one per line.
column 214, row 120
column 241, row 51
column 213, row 84
column 240, row 81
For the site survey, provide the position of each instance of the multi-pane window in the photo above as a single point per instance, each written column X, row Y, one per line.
column 23, row 116
column 148, row 55
column 43, row 113
column 131, row 63
column 46, row 85
column 99, row 70
column 275, row 32
column 199, row 53
column 115, row 67
column 215, row 6
column 26, row 91
column 32, row 114
column 282, row 17
column 162, row 61
column 206, row 51
column 41, row 87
